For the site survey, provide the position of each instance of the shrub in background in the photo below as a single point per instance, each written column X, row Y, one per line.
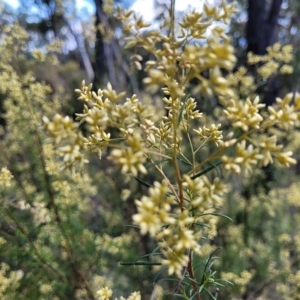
column 53, row 244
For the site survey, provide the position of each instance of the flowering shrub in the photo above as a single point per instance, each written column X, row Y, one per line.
column 260, row 253
column 46, row 232
column 181, row 144
column 183, row 155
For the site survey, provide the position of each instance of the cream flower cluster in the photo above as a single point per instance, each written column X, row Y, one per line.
column 247, row 116
column 106, row 294
column 9, row 280
column 5, row 177
column 174, row 230
column 194, row 58
column 277, row 60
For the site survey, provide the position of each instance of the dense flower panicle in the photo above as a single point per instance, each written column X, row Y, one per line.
column 9, row 279
column 131, row 159
column 281, row 53
column 64, row 128
column 268, row 69
column 246, row 157
column 175, row 240
column 104, row 293
column 98, row 141
column 96, row 118
column 210, row 134
column 231, row 165
column 244, row 114
column 286, row 69
column 276, row 51
column 153, row 210
column 59, row 128
column 269, row 147
column 190, row 112
column 243, row 84
column 135, row 296
column 228, row 141
column 203, row 194
column 194, row 187
column 175, row 261
column 5, row 177
column 286, row 159
column 72, row 157
column 85, row 92
column 193, row 58
column 286, row 115
column 275, row 61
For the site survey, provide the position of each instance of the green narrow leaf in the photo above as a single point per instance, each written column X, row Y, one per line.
column 141, row 263
column 201, row 288
column 207, row 263
column 218, row 171
column 213, row 166
column 159, row 272
column 154, row 252
column 184, row 161
column 202, row 225
column 180, row 296
column 193, row 280
column 218, row 284
column 223, row 280
column 133, row 226
column 143, row 182
column 171, row 279
column 218, row 215
column 209, row 293
column 197, row 264
column 146, row 255
column 156, row 162
column 211, row 257
column 194, row 295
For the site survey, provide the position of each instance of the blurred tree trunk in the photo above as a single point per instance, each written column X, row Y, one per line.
column 100, row 58
column 109, row 62
column 261, row 32
column 262, row 24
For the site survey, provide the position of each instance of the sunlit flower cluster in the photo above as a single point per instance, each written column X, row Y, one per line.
column 244, row 114
column 106, row 294
column 194, row 58
column 287, row 111
column 5, row 177
column 204, row 194
column 246, row 158
column 131, row 160
column 211, row 133
column 153, row 211
column 175, row 240
column 9, row 280
column 277, row 60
